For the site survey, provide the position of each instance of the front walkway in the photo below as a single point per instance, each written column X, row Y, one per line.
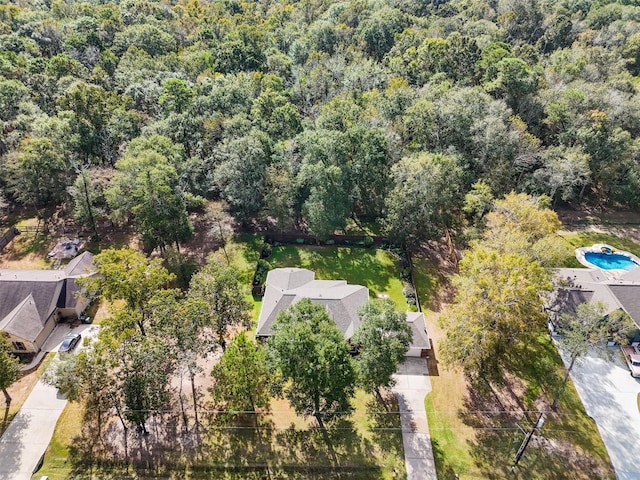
column 26, row 438
column 411, row 389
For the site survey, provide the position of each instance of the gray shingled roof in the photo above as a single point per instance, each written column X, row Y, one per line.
column 29, row 297
column 592, row 285
column 419, row 330
column 629, row 298
column 44, row 294
column 24, row 320
column 287, row 286
column 80, row 265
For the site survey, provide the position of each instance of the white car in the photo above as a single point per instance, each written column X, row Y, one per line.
column 632, row 357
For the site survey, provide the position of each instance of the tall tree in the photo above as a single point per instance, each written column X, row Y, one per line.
column 382, row 340
column 144, row 373
column 241, row 378
column 9, row 369
column 39, row 173
column 219, row 285
column 125, row 274
column 146, row 188
column 425, row 197
column 313, row 359
column 498, row 309
column 182, row 322
column 525, row 225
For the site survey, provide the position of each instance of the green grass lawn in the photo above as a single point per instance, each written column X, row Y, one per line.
column 375, row 269
column 586, row 239
column 366, row 445
column 475, row 433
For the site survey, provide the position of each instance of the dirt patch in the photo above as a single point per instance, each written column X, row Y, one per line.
column 619, row 223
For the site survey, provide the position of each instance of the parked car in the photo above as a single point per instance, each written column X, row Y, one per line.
column 632, row 357
column 84, row 318
column 70, row 342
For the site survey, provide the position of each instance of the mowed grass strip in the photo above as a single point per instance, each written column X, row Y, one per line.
column 477, row 434
column 375, row 269
column 586, row 239
column 276, row 444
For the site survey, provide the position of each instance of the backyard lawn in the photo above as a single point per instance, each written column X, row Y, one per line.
column 586, row 239
column 375, row 269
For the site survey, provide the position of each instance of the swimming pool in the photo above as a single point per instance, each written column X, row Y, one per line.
column 610, row 261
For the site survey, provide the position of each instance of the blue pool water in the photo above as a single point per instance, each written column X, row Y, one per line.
column 610, row 261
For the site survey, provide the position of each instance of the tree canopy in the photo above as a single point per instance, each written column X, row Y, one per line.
column 312, row 358
column 361, row 108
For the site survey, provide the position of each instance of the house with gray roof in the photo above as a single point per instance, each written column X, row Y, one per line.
column 582, row 285
column 287, row 286
column 33, row 301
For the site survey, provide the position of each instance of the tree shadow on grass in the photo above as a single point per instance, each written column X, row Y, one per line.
column 337, row 452
column 385, row 424
column 443, row 467
column 502, row 414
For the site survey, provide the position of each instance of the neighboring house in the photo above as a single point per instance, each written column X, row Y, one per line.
column 581, row 285
column 33, row 301
column 287, row 286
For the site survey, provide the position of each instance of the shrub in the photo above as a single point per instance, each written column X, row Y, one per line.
column 266, row 251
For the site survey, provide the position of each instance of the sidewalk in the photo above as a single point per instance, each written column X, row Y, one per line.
column 411, row 388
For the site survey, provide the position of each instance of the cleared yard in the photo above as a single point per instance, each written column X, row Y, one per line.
column 375, row 269
column 276, row 444
column 476, row 432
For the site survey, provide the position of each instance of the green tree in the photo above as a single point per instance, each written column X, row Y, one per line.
column 498, row 309
column 176, row 96
column 382, row 340
column 182, row 322
column 9, row 369
column 38, row 176
column 241, row 378
column 524, row 225
column 91, row 105
column 125, row 274
column 240, row 176
column 144, row 370
column 565, row 173
column 86, row 199
column 478, row 202
column 589, row 329
column 425, row 198
column 12, row 93
column 146, row 188
column 312, row 357
column 218, row 284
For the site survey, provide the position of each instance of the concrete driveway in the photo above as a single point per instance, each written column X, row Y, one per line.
column 29, row 433
column 609, row 394
column 411, row 388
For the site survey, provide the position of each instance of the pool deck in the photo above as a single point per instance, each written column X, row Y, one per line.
column 613, row 274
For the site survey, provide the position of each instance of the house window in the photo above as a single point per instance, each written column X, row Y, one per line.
column 19, row 346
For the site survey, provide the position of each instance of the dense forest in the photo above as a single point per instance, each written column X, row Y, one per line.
column 313, row 114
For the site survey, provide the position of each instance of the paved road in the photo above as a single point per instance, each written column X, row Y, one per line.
column 27, row 437
column 411, row 388
column 609, row 394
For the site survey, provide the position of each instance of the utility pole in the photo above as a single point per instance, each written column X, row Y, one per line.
column 527, row 439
